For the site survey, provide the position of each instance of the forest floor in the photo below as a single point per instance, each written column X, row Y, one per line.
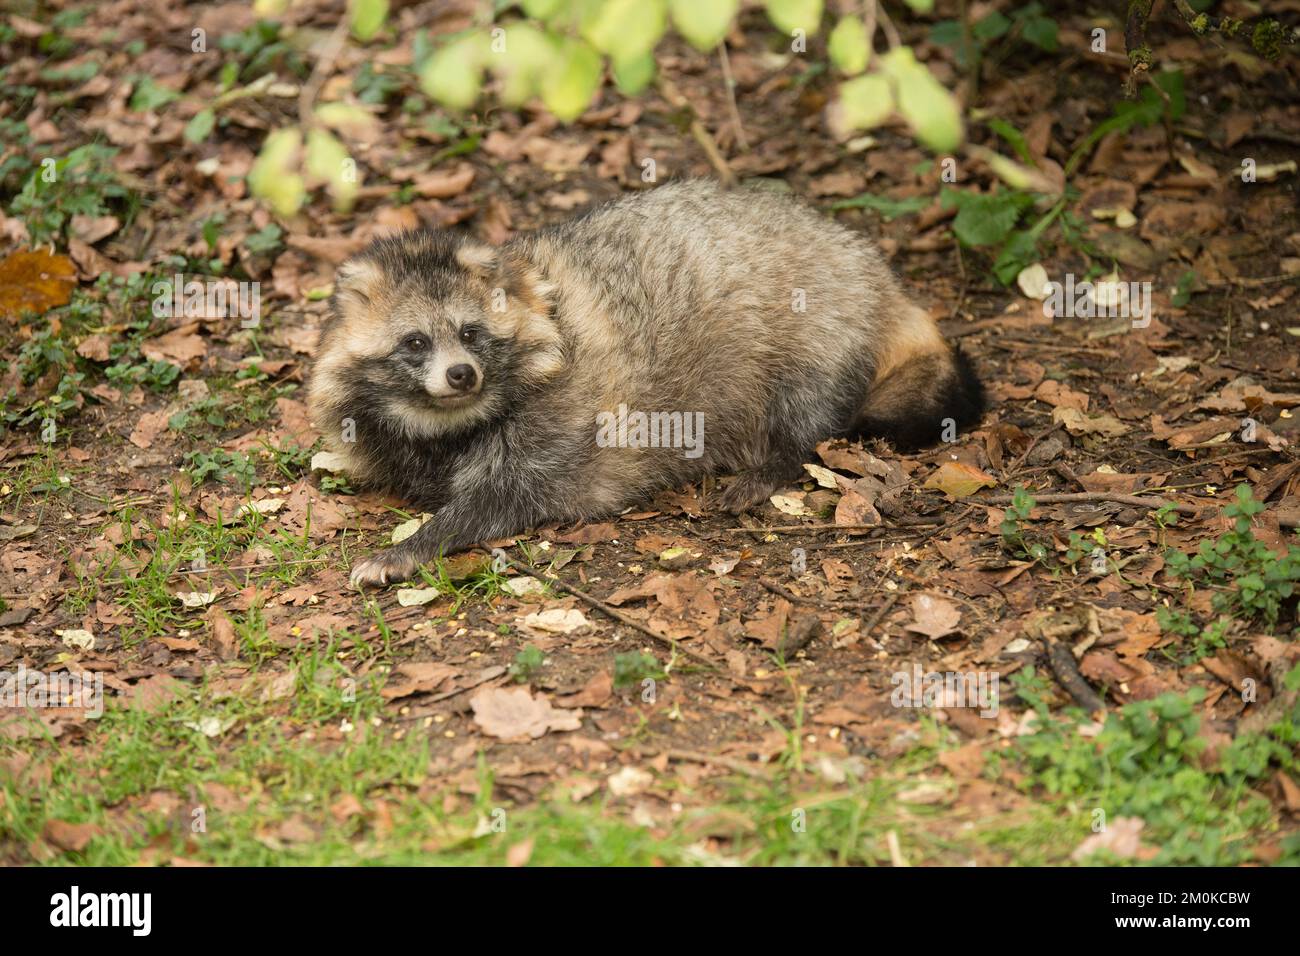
column 1099, row 697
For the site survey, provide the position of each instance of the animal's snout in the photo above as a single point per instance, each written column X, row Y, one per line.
column 462, row 377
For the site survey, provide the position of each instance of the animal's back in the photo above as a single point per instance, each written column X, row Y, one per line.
column 691, row 288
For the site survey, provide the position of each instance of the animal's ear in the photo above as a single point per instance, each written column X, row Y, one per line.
column 504, row 272
column 524, row 281
column 357, row 280
column 479, row 259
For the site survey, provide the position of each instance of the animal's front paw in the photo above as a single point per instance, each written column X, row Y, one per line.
column 386, row 567
column 747, row 490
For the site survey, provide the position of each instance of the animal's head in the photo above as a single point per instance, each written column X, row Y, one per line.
column 431, row 335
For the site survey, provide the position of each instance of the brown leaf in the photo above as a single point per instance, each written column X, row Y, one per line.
column 555, row 156
column 589, row 534
column 857, row 505
column 150, row 426
column 1290, row 791
column 595, row 693
column 1121, row 837
column 511, row 713
column 966, row 762
column 95, row 347
column 1060, row 396
column 35, row 282
column 224, row 641
column 420, row 677
column 520, row 853
column 154, row 693
column 180, row 346
column 956, row 479
column 91, row 229
column 1077, row 423
column 1101, row 481
column 346, row 807
column 1181, row 219
column 90, row 264
column 72, row 837
column 295, row 422
column 933, row 616
column 443, row 183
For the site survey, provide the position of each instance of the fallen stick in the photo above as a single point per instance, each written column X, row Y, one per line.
column 781, row 591
column 1067, row 673
column 792, row 528
column 880, row 615
column 1135, row 500
column 1097, row 496
column 668, row 90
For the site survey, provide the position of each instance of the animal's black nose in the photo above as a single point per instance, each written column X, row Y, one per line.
column 461, row 377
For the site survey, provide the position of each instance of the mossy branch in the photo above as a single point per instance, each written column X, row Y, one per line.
column 1267, row 37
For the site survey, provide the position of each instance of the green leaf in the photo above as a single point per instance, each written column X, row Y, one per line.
column 929, row 109
column 946, row 33
column 454, row 74
column 625, row 30
column 568, row 90
column 703, row 22
column 274, row 177
column 921, row 6
column 865, row 101
column 200, row 127
column 984, row 219
column 328, row 160
column 527, row 58
column 1021, row 250
column 634, row 75
column 849, row 46
column 1013, row 136
column 991, row 27
column 542, row 9
column 368, row 17
column 792, row 15
column 1037, row 29
column 148, row 95
column 349, row 119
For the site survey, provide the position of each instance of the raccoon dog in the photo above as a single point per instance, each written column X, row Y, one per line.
column 573, row 372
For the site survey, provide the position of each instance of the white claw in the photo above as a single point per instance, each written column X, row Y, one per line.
column 369, row 572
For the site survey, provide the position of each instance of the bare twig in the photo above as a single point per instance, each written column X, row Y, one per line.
column 794, row 528
column 781, row 591
column 887, row 26
column 674, row 96
column 730, row 82
column 1098, row 496
column 329, row 55
column 884, row 609
column 1248, row 283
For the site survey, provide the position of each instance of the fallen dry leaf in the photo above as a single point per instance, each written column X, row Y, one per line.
column 933, row 616
column 35, row 282
column 509, row 713
column 957, row 479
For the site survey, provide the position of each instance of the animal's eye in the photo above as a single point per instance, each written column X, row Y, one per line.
column 415, row 343
column 469, row 335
